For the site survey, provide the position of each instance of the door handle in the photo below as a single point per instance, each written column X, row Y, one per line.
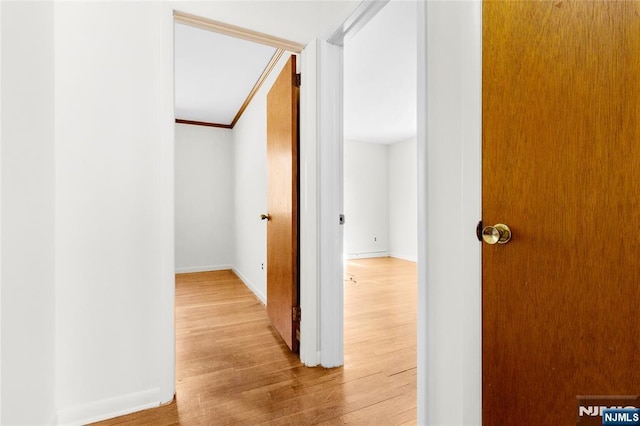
column 266, row 217
column 497, row 234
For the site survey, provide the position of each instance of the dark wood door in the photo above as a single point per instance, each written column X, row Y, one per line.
column 282, row 229
column 561, row 166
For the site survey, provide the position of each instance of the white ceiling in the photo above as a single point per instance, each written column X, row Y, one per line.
column 215, row 73
column 380, row 77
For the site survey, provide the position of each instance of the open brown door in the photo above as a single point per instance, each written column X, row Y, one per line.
column 282, row 229
column 561, row 166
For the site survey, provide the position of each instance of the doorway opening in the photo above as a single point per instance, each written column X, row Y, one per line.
column 224, row 77
column 348, row 219
column 380, row 192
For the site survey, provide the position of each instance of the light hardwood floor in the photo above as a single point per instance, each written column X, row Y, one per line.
column 232, row 368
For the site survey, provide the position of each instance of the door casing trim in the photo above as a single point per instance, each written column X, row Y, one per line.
column 450, row 176
column 322, row 183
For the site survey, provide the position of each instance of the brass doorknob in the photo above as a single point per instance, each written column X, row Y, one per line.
column 266, row 217
column 498, row 234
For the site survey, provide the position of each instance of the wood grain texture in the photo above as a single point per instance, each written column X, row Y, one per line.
column 232, row 368
column 282, row 228
column 561, row 156
column 204, row 123
column 265, row 74
column 238, row 32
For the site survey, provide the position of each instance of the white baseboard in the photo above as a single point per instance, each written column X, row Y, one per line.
column 366, row 255
column 109, row 408
column 250, row 286
column 190, row 269
column 404, row 257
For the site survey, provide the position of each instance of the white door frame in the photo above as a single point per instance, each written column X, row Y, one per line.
column 321, row 265
column 166, row 134
column 449, row 137
column 449, row 204
column 321, row 193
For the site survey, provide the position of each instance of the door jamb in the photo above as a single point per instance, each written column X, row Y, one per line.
column 450, row 175
column 449, row 365
column 321, row 162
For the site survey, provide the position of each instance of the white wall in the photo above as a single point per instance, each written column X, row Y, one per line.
column 111, row 139
column 449, row 167
column 204, row 196
column 366, row 199
column 250, row 151
column 27, row 245
column 380, row 197
column 403, row 200
column 113, row 205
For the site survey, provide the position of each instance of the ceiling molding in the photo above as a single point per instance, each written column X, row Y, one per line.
column 264, row 40
column 274, row 60
column 267, row 70
column 238, row 32
column 204, row 123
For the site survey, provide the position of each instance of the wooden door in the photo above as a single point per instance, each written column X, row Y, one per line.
column 282, row 229
column 561, row 166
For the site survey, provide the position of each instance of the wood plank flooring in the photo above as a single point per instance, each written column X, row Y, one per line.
column 232, row 367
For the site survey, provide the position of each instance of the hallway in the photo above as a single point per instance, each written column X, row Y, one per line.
column 232, row 368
